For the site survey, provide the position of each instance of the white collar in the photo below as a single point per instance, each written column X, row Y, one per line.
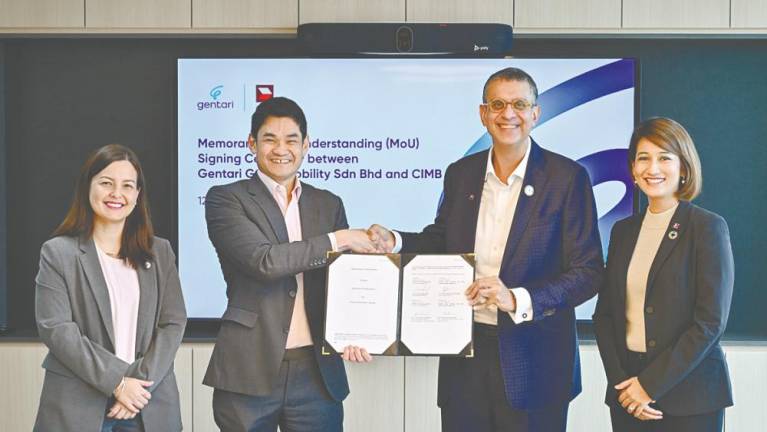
column 519, row 171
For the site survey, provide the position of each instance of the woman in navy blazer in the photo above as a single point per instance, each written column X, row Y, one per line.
column 667, row 294
column 109, row 307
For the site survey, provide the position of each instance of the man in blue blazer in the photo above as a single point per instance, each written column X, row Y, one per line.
column 529, row 216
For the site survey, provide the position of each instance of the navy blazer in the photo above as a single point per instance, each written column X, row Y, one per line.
column 553, row 250
column 687, row 301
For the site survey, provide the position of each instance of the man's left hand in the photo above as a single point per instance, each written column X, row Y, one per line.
column 490, row 290
column 356, row 354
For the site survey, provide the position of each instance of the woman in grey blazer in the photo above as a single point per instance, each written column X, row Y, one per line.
column 109, row 307
column 667, row 294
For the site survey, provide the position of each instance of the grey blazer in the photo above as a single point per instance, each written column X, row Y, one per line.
column 259, row 264
column 74, row 320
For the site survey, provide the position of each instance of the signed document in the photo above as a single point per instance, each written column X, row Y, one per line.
column 436, row 318
column 399, row 304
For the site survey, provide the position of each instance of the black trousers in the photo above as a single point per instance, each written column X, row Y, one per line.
column 479, row 403
column 622, row 421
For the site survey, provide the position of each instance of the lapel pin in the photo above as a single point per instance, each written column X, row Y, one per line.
column 676, row 225
column 147, row 265
column 672, row 235
column 529, row 190
column 471, row 197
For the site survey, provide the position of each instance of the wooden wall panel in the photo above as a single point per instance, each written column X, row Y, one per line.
column 748, row 14
column 21, row 378
column 421, row 410
column 389, row 394
column 376, row 402
column 183, row 370
column 676, row 14
column 42, row 14
column 203, row 395
column 148, row 14
column 351, row 11
column 447, row 11
column 567, row 14
column 243, row 14
column 588, row 411
column 748, row 372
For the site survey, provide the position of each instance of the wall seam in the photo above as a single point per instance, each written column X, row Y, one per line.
column 192, row 387
column 404, row 392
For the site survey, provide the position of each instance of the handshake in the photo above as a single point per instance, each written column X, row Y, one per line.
column 376, row 239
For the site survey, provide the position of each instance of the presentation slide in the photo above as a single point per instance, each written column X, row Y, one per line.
column 382, row 132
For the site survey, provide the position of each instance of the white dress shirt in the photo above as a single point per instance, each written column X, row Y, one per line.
column 496, row 213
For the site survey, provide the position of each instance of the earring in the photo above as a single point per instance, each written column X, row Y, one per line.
column 682, row 180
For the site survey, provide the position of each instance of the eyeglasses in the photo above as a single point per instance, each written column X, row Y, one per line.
column 518, row 105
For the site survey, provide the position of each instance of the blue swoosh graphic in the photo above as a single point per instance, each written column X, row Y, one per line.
column 611, row 165
column 594, row 84
column 602, row 166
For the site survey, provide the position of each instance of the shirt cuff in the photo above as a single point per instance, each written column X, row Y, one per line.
column 397, row 242
column 524, row 310
column 333, row 242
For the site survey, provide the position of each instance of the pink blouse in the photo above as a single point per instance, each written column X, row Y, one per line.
column 124, row 294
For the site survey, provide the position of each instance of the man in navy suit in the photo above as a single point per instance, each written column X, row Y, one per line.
column 529, row 216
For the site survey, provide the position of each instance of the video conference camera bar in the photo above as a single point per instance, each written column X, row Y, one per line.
column 395, row 39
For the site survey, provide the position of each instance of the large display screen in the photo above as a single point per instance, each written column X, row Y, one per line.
column 382, row 132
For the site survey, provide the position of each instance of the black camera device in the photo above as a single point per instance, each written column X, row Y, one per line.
column 406, row 39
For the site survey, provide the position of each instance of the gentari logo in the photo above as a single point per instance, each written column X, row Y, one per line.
column 215, row 93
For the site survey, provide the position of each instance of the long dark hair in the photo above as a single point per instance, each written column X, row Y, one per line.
column 138, row 234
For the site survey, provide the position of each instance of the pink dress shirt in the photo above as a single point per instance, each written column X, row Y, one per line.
column 299, row 334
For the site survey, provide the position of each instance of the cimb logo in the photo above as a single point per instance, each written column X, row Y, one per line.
column 215, row 93
column 264, row 92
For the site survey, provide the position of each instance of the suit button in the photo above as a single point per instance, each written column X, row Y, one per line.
column 292, row 293
column 651, row 343
column 649, row 309
column 524, row 316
